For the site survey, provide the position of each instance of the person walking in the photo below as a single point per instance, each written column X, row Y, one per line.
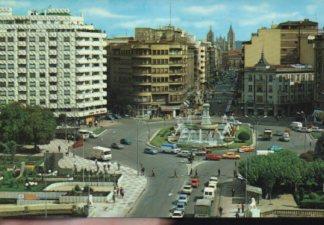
column 118, row 191
column 175, row 174
column 220, row 210
column 114, row 198
column 190, row 173
column 196, row 173
column 108, row 165
column 237, row 215
column 242, row 207
column 153, row 173
column 142, row 171
column 118, row 166
column 219, row 172
column 122, row 193
column 233, row 192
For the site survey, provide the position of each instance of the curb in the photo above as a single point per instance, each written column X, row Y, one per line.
column 131, row 208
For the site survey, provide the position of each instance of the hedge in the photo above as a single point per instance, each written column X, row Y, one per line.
column 312, row 204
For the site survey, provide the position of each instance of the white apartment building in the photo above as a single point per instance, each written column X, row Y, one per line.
column 55, row 60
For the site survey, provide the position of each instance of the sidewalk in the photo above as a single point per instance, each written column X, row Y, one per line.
column 54, row 144
column 133, row 185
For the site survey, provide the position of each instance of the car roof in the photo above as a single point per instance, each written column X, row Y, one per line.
column 182, row 195
column 177, row 211
column 181, row 203
column 208, row 189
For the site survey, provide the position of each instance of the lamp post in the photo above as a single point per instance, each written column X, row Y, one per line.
column 255, row 126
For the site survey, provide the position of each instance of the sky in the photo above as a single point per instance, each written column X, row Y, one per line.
column 120, row 17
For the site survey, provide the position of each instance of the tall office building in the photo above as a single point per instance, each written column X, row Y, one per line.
column 155, row 70
column 53, row 59
column 210, row 36
column 231, row 39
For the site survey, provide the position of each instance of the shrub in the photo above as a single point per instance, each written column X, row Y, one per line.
column 243, row 136
column 77, row 188
column 313, row 196
column 307, row 156
column 312, row 204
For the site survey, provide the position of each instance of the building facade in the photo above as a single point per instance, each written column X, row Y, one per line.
column 319, row 72
column 282, row 44
column 157, row 69
column 55, row 60
column 277, row 90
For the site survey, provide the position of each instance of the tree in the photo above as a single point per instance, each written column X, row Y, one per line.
column 40, row 125
column 243, row 136
column 62, row 118
column 12, row 121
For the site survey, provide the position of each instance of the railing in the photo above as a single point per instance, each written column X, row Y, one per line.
column 294, row 213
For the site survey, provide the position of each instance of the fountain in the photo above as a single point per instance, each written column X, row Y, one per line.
column 205, row 133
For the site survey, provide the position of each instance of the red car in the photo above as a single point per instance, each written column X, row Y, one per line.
column 212, row 156
column 194, row 182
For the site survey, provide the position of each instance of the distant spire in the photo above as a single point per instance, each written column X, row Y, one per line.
column 170, row 12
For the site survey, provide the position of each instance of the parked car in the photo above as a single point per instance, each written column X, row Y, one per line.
column 117, row 146
column 304, row 130
column 285, row 137
column 110, row 117
column 275, row 148
column 170, row 148
column 194, row 182
column 125, row 141
column 296, row 125
column 246, row 148
column 177, row 214
column 212, row 184
column 278, row 133
column 231, row 155
column 199, row 152
column 183, row 198
column 150, row 151
column 117, row 116
column 180, row 206
column 186, row 189
column 213, row 179
column 185, row 154
column 212, row 156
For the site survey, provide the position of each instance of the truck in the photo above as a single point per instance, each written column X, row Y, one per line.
column 267, row 134
column 100, row 153
column 202, row 208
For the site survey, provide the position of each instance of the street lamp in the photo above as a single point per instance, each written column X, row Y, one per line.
column 255, row 125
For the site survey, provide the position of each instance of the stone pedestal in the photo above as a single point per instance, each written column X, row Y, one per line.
column 205, row 120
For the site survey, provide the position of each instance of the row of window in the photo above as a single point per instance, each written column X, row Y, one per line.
column 32, row 39
column 297, row 77
column 31, row 92
column 33, row 66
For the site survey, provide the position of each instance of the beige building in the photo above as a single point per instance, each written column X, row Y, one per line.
column 153, row 73
column 277, row 90
column 319, row 72
column 286, row 43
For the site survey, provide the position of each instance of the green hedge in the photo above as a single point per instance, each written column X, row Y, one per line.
column 312, row 204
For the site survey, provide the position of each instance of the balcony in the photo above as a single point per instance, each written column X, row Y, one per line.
column 22, row 52
column 53, row 79
column 53, row 96
column 53, row 88
column 22, row 88
column 22, row 97
column 84, row 43
column 22, row 43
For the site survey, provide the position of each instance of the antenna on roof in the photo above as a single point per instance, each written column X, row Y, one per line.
column 170, row 12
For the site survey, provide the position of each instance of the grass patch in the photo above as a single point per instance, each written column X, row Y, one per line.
column 161, row 137
column 98, row 130
column 316, row 134
column 237, row 143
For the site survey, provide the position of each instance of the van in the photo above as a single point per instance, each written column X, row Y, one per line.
column 209, row 193
column 170, row 148
column 101, row 153
column 296, row 125
column 85, row 134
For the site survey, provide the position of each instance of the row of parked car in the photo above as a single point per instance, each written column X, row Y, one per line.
column 179, row 207
column 115, row 116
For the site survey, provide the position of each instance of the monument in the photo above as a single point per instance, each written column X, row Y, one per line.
column 205, row 120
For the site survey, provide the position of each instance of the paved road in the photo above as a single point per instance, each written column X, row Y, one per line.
column 155, row 202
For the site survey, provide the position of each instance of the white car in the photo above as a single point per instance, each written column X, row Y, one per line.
column 213, row 179
column 177, row 214
column 186, row 189
column 213, row 185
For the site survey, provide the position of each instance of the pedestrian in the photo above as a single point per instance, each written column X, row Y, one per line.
column 242, row 207
column 175, row 174
column 238, row 208
column 235, row 174
column 108, row 165
column 153, row 174
column 237, row 215
column 233, row 192
column 196, row 173
column 220, row 209
column 118, row 166
column 122, row 192
column 219, row 172
column 190, row 172
column 143, row 170
column 117, row 191
column 59, row 148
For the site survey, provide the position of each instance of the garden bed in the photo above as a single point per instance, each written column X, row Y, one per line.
column 316, row 134
column 161, row 137
column 99, row 130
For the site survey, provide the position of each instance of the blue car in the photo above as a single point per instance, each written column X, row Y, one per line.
column 150, row 151
column 275, row 148
column 183, row 198
column 180, row 206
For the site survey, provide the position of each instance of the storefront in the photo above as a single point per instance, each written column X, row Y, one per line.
column 171, row 111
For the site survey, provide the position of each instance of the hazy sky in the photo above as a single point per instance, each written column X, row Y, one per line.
column 119, row 17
